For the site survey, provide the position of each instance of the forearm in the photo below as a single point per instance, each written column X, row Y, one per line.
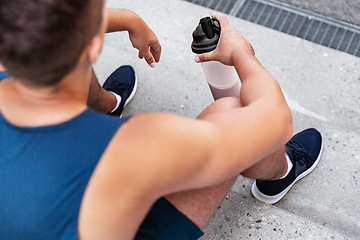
column 257, row 82
column 121, row 20
column 140, row 34
column 262, row 121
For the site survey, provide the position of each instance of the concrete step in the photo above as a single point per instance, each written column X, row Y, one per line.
column 242, row 217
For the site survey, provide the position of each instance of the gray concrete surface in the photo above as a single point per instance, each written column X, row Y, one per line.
column 344, row 10
column 322, row 88
column 242, row 217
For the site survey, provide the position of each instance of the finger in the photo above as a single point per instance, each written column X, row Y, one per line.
column 155, row 49
column 149, row 58
column 153, row 54
column 224, row 21
column 205, row 57
column 140, row 55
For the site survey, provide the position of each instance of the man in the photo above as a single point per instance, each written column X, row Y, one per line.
column 68, row 172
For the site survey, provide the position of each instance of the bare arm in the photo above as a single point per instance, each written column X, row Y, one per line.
column 155, row 154
column 140, row 34
column 120, row 20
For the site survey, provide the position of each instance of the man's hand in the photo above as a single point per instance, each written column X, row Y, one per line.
column 144, row 39
column 140, row 34
column 231, row 43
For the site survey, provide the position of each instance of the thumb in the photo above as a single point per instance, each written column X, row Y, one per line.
column 205, row 57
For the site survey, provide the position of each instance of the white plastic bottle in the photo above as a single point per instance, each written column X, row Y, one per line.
column 223, row 80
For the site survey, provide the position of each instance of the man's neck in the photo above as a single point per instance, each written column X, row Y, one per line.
column 28, row 106
column 2, row 68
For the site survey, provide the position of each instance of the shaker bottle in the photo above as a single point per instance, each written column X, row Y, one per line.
column 222, row 79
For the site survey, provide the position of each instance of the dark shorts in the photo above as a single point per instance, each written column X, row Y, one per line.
column 165, row 222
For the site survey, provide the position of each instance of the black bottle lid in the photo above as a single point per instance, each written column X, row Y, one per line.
column 206, row 35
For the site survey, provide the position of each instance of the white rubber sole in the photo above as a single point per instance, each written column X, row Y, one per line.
column 274, row 199
column 131, row 96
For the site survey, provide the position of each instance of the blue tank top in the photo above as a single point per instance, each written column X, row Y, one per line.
column 4, row 75
column 44, row 172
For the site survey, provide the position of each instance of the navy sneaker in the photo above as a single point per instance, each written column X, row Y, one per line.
column 304, row 149
column 122, row 82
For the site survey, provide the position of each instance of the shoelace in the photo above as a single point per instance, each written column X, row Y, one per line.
column 121, row 86
column 301, row 155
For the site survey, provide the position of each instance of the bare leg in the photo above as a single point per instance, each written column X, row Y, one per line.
column 200, row 205
column 99, row 99
column 271, row 168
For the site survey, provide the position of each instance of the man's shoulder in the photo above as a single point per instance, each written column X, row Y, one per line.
column 150, row 139
column 154, row 126
column 143, row 127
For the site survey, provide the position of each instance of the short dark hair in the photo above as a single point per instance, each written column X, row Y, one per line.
column 41, row 41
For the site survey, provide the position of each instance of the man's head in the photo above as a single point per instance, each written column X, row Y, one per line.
column 41, row 41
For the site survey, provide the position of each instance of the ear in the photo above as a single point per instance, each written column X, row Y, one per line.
column 93, row 49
